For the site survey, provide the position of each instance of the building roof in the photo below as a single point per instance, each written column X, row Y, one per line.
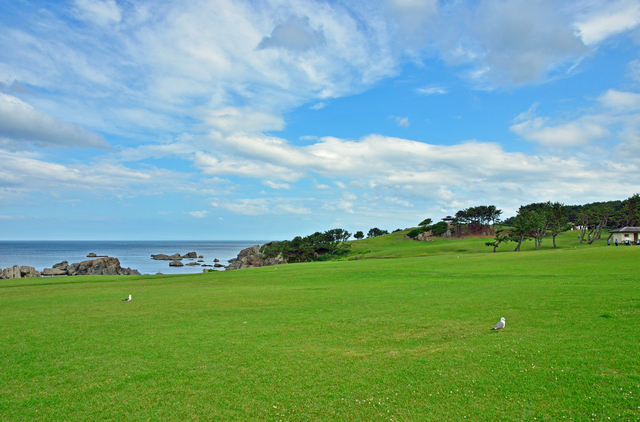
column 626, row 230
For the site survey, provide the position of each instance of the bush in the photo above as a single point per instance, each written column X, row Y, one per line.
column 414, row 233
column 439, row 228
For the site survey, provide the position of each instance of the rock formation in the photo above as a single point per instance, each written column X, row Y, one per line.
column 252, row 257
column 100, row 266
column 164, row 257
column 176, row 264
column 175, row 256
column 54, row 271
column 18, row 271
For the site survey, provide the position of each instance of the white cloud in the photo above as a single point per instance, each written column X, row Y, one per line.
column 508, row 42
column 295, row 34
column 608, row 19
column 634, row 70
column 402, row 121
column 198, row 214
column 619, row 100
column 434, row 90
column 101, row 12
column 543, row 131
column 228, row 165
column 563, row 135
column 234, row 120
column 11, row 217
column 261, row 206
column 292, row 209
column 273, row 185
column 20, row 122
column 24, row 173
column 245, row 206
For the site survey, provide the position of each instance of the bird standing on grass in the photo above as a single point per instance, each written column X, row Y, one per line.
column 498, row 326
column 127, row 299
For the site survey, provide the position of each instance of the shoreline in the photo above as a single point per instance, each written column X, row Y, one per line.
column 41, row 254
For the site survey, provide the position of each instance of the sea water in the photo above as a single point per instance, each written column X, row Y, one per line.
column 132, row 254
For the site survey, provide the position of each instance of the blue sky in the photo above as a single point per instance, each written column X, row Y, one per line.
column 220, row 119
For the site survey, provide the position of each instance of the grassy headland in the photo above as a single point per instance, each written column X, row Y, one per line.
column 402, row 339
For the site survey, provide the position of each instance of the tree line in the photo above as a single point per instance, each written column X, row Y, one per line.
column 532, row 222
column 538, row 220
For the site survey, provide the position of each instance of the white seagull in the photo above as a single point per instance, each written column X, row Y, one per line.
column 498, row 326
column 129, row 298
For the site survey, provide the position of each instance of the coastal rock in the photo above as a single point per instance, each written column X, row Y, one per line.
column 92, row 255
column 176, row 264
column 18, row 271
column 200, row 256
column 10, row 272
column 252, row 257
column 29, row 272
column 193, row 264
column 100, row 266
column 62, row 265
column 190, row 255
column 163, row 257
column 54, row 271
column 217, row 265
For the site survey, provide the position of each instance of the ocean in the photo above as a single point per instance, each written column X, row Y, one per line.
column 133, row 254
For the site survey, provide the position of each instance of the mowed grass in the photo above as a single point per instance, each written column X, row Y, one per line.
column 402, row 339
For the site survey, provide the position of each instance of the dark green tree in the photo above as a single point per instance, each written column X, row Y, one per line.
column 501, row 236
column 558, row 220
column 424, row 223
column 524, row 224
column 439, row 228
column 375, row 232
column 359, row 235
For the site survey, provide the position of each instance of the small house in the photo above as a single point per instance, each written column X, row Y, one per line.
column 626, row 233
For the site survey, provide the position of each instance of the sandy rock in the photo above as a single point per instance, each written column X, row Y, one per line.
column 54, row 271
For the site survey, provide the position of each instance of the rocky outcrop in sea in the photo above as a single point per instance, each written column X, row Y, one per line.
column 252, row 257
column 101, row 266
column 175, row 256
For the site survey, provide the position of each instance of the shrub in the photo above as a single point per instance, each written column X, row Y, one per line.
column 414, row 233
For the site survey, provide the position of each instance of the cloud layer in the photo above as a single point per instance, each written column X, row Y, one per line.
column 197, row 95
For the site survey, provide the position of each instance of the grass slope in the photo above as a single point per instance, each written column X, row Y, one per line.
column 402, row 339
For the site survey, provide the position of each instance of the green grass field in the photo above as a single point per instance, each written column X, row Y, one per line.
column 404, row 339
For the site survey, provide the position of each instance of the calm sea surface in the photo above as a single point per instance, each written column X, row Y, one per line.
column 133, row 254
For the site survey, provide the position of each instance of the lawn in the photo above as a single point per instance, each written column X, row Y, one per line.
column 403, row 339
